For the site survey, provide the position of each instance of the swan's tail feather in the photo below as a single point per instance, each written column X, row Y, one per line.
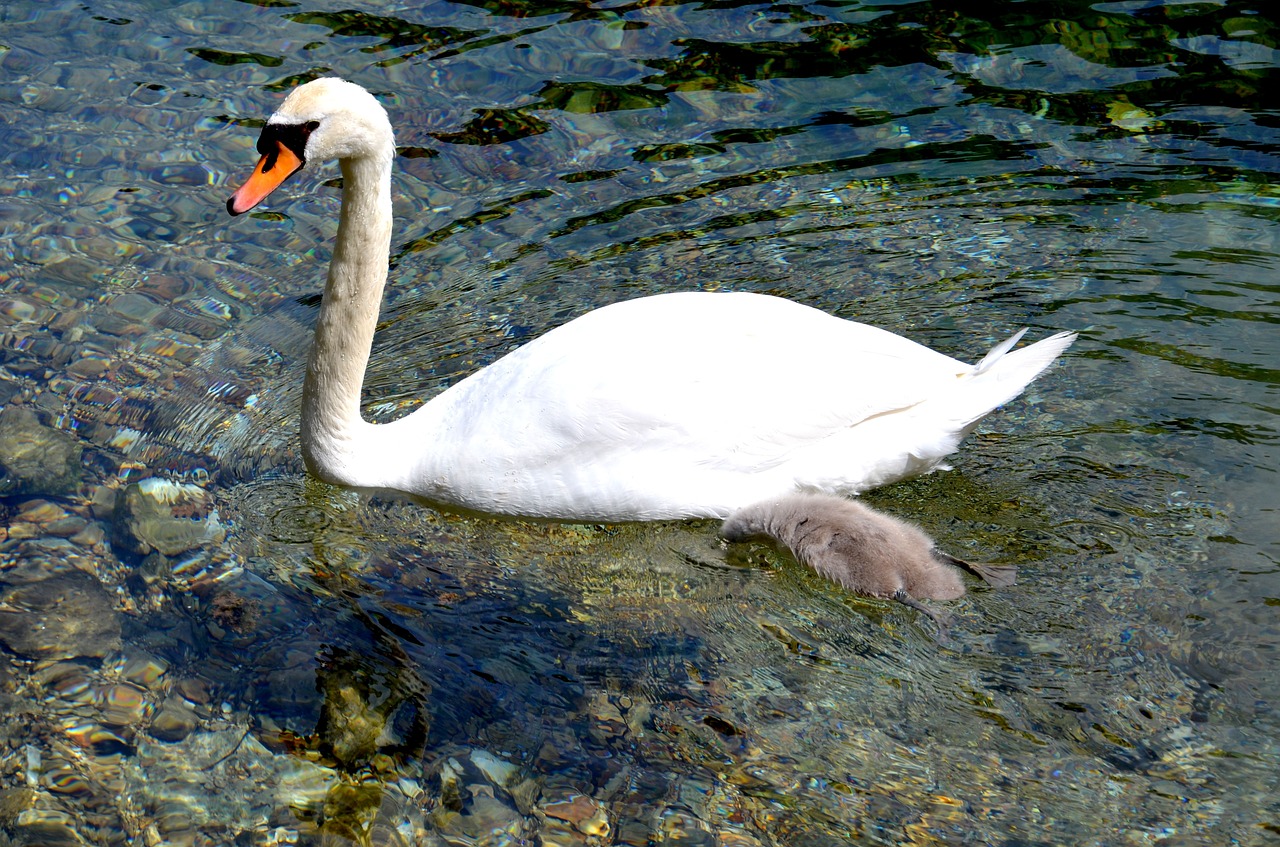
column 1031, row 359
column 1001, row 376
column 998, row 351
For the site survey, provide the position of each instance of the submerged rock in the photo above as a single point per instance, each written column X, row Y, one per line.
column 62, row 617
column 473, row 805
column 368, row 708
column 485, row 820
column 15, row 801
column 34, row 458
column 171, row 782
column 584, row 814
column 54, row 833
column 166, row 517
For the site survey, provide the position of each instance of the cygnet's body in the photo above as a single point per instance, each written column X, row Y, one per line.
column 864, row 550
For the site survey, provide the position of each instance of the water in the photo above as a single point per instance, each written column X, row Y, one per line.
column 948, row 172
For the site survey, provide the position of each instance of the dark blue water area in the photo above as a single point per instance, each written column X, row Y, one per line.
column 264, row 658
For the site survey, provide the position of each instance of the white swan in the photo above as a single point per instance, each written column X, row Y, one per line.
column 673, row 406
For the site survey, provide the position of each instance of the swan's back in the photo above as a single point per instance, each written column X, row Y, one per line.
column 686, row 405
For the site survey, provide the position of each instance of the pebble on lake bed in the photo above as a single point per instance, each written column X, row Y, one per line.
column 34, row 458
column 62, row 617
column 167, row 517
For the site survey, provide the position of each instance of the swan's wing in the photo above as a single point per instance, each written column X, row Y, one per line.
column 666, row 394
column 740, row 376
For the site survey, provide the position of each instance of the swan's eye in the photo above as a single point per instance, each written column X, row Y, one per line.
column 312, row 126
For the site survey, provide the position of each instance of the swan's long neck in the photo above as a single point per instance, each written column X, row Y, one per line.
column 333, row 432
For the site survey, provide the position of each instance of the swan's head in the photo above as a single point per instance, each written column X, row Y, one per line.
column 324, row 119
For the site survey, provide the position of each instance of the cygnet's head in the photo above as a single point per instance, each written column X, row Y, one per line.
column 319, row 121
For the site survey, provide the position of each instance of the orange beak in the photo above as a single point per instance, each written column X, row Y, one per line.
column 273, row 169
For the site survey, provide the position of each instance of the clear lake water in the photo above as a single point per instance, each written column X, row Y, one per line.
column 306, row 665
